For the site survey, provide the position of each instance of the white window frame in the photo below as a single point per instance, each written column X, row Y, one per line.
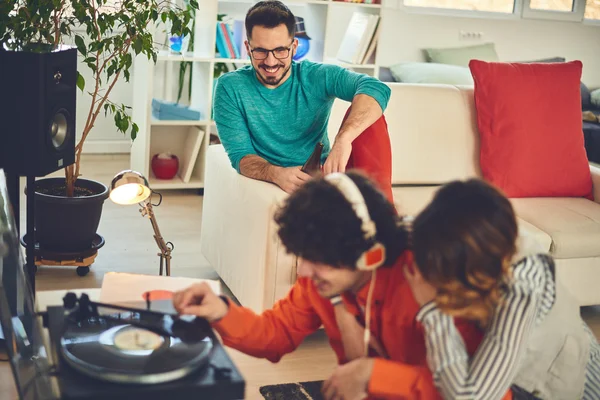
column 522, row 9
column 457, row 12
column 595, row 22
column 576, row 15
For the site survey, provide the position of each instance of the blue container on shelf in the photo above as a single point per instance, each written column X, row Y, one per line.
column 168, row 111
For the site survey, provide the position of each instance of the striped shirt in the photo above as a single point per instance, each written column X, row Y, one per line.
column 491, row 371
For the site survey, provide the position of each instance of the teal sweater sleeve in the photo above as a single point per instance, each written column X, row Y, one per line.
column 231, row 123
column 345, row 84
column 282, row 125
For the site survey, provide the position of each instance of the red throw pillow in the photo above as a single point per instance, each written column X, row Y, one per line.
column 530, row 126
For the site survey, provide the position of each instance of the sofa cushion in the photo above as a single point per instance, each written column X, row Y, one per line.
column 418, row 72
column 546, row 60
column 462, row 55
column 586, row 97
column 573, row 224
column 595, row 98
column 531, row 147
column 432, row 132
column 411, row 200
column 385, row 75
column 528, row 229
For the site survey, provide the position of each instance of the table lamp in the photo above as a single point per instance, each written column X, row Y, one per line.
column 130, row 187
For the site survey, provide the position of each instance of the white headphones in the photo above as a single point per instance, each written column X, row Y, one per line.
column 374, row 257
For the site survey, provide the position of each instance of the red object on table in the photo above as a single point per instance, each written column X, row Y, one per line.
column 165, row 166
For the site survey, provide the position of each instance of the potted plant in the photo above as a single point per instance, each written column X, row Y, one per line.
column 108, row 35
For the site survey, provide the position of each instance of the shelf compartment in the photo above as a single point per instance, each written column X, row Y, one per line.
column 183, row 141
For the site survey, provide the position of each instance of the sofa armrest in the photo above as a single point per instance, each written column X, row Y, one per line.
column 595, row 182
column 238, row 234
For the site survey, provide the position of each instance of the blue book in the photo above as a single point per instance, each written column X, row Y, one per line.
column 221, row 44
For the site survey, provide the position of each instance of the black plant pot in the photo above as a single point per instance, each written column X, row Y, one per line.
column 67, row 224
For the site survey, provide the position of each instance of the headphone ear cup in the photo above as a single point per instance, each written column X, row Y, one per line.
column 372, row 258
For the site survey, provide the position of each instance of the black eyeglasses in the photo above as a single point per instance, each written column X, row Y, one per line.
column 279, row 53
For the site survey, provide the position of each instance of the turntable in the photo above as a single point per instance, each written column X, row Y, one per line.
column 137, row 353
column 99, row 351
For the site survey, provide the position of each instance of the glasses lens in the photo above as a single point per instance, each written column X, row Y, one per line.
column 283, row 53
column 260, row 54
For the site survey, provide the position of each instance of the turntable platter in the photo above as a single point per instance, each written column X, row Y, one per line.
column 132, row 338
column 119, row 352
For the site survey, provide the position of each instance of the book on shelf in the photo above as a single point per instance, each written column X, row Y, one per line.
column 359, row 39
column 239, row 37
column 372, row 46
column 190, row 152
column 231, row 35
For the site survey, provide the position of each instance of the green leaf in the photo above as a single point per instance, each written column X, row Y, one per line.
column 80, row 45
column 194, row 4
column 137, row 44
column 80, row 81
column 134, row 131
column 163, row 16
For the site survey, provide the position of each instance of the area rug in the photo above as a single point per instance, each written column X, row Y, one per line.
column 293, row 391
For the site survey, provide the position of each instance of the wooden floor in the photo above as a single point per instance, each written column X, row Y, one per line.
column 130, row 247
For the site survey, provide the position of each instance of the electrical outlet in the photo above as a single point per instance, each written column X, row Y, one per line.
column 470, row 35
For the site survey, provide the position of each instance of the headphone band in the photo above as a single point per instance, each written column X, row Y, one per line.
column 348, row 188
column 374, row 256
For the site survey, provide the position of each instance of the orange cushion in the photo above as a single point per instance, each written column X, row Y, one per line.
column 529, row 120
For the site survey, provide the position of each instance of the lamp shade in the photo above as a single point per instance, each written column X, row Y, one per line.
column 129, row 187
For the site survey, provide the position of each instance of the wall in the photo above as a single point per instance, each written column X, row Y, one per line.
column 104, row 137
column 405, row 33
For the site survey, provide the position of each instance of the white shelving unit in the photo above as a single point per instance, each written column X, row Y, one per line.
column 325, row 22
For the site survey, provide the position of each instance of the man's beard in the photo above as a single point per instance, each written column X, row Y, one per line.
column 272, row 80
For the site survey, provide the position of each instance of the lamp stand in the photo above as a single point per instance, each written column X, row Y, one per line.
column 165, row 247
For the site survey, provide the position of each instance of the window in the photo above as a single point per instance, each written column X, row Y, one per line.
column 552, row 5
column 501, row 6
column 566, row 10
column 592, row 9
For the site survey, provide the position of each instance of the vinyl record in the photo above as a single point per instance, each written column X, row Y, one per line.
column 116, row 351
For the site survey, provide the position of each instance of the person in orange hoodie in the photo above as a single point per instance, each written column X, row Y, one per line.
column 351, row 246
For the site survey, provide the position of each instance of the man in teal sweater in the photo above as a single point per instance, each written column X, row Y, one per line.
column 270, row 115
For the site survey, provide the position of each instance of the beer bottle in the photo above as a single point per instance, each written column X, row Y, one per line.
column 312, row 166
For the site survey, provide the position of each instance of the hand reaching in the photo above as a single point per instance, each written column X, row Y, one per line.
column 349, row 381
column 290, row 179
column 338, row 157
column 201, row 301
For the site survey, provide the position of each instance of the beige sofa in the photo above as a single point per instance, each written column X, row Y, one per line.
column 434, row 140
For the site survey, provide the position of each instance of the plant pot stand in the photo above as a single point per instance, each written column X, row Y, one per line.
column 82, row 260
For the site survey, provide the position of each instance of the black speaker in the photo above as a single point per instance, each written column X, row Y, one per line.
column 37, row 110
